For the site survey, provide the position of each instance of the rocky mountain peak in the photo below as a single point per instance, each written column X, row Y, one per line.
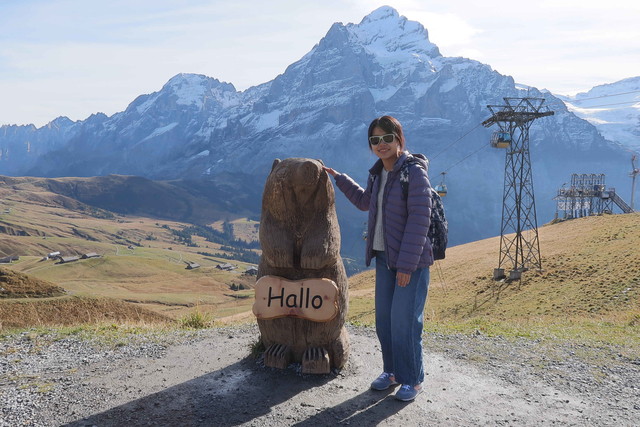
column 59, row 123
column 13, row 128
column 391, row 37
column 186, row 90
column 381, row 13
column 195, row 88
column 186, row 85
column 374, row 58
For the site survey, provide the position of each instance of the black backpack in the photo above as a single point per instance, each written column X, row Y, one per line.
column 439, row 227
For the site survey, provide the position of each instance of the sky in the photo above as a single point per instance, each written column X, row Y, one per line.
column 78, row 57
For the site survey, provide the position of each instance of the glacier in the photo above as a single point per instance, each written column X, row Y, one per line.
column 613, row 108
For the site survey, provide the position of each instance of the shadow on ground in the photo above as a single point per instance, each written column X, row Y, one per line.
column 247, row 391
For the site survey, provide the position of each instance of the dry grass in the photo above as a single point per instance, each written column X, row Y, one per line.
column 152, row 275
column 590, row 268
column 18, row 285
column 243, row 228
column 589, row 289
column 72, row 311
column 196, row 319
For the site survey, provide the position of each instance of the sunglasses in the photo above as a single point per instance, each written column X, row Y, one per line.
column 387, row 139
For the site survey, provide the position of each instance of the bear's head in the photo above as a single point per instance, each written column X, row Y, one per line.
column 296, row 187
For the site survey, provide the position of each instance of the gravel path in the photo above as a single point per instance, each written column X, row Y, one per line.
column 206, row 379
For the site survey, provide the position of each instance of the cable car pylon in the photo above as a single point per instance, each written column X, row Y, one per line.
column 634, row 172
column 519, row 244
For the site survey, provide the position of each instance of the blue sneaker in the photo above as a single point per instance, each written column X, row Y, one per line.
column 406, row 393
column 384, row 381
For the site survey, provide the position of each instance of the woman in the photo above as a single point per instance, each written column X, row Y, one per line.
column 398, row 226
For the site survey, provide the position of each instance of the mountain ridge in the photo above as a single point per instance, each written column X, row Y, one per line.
column 609, row 108
column 196, row 202
column 197, row 127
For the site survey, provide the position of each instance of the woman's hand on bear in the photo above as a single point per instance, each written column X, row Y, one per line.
column 330, row 171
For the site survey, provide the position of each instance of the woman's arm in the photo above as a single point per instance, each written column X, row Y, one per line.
column 357, row 195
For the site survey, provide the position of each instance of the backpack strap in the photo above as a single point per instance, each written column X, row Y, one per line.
column 404, row 173
column 373, row 180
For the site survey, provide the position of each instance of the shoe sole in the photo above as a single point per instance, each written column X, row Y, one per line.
column 382, row 389
column 409, row 399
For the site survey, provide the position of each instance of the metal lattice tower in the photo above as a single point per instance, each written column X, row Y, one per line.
column 634, row 172
column 519, row 245
column 587, row 195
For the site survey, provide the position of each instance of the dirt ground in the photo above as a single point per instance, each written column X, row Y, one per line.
column 211, row 381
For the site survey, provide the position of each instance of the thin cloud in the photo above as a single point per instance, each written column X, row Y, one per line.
column 74, row 58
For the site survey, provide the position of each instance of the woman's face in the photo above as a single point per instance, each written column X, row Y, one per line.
column 385, row 150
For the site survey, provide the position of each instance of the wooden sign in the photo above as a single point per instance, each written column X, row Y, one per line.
column 311, row 299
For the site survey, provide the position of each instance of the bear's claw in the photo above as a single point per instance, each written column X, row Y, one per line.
column 278, row 356
column 316, row 361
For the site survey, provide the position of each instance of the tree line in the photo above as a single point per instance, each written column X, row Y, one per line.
column 210, row 234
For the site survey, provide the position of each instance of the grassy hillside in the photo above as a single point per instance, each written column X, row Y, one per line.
column 142, row 261
column 74, row 310
column 589, row 279
column 205, row 201
column 589, row 286
column 18, row 285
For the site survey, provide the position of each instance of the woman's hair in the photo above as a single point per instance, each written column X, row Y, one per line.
column 389, row 125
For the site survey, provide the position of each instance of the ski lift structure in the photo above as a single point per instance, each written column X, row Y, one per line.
column 519, row 244
column 441, row 188
column 633, row 174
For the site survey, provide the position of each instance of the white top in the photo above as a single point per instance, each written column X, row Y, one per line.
column 378, row 238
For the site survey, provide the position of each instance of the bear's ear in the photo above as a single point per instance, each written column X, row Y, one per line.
column 275, row 163
column 321, row 162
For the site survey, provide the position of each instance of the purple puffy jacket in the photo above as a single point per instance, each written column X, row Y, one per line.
column 405, row 220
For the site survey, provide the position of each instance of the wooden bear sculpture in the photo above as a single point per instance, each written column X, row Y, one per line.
column 300, row 240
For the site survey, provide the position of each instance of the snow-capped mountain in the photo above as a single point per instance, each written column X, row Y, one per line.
column 614, row 109
column 320, row 107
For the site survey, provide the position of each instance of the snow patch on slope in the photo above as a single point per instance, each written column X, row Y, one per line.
column 268, row 120
column 384, row 93
column 161, row 130
column 448, row 85
column 614, row 109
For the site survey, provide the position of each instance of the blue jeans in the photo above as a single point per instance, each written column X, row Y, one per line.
column 399, row 316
